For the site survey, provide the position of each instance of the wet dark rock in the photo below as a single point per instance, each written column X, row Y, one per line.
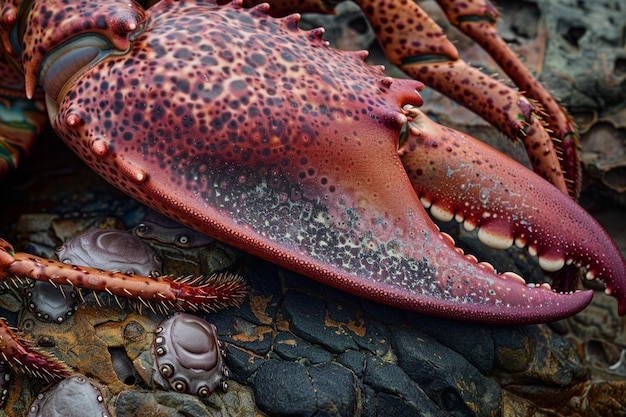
column 242, row 364
column 472, row 341
column 164, row 404
column 292, row 348
column 336, row 390
column 290, row 389
column 390, row 380
column 532, row 360
column 284, row 389
column 307, row 318
column 447, row 377
column 354, row 360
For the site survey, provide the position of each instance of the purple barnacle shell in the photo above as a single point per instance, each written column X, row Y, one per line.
column 5, row 381
column 51, row 303
column 164, row 230
column 72, row 397
column 188, row 357
column 111, row 250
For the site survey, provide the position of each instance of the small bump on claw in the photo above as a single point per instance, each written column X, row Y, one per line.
column 100, row 147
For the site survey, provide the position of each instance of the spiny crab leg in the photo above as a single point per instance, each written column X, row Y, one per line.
column 209, row 294
column 20, row 353
column 414, row 42
column 477, row 19
column 458, row 177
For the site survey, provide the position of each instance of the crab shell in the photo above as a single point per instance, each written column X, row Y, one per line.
column 250, row 130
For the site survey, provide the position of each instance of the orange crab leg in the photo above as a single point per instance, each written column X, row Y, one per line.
column 477, row 19
column 210, row 294
column 414, row 42
column 19, row 353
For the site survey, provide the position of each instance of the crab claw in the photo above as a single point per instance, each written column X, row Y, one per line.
column 290, row 154
column 459, row 177
column 94, row 28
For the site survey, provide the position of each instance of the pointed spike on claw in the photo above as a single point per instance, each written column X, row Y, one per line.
column 386, row 82
column 263, row 8
column 316, row 34
column 292, row 21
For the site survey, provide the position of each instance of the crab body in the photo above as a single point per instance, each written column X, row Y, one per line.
column 250, row 130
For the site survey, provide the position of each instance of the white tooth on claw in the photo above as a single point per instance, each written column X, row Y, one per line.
column 590, row 276
column 425, row 202
column 468, row 226
column 514, row 276
column 532, row 250
column 447, row 237
column 493, row 240
column 441, row 214
column 486, row 266
column 551, row 265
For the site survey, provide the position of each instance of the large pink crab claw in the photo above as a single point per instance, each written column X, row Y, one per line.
column 250, row 130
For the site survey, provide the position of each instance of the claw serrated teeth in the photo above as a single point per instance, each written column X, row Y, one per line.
column 514, row 276
column 447, row 238
column 486, row 266
column 493, row 239
column 469, row 226
column 551, row 265
column 441, row 213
